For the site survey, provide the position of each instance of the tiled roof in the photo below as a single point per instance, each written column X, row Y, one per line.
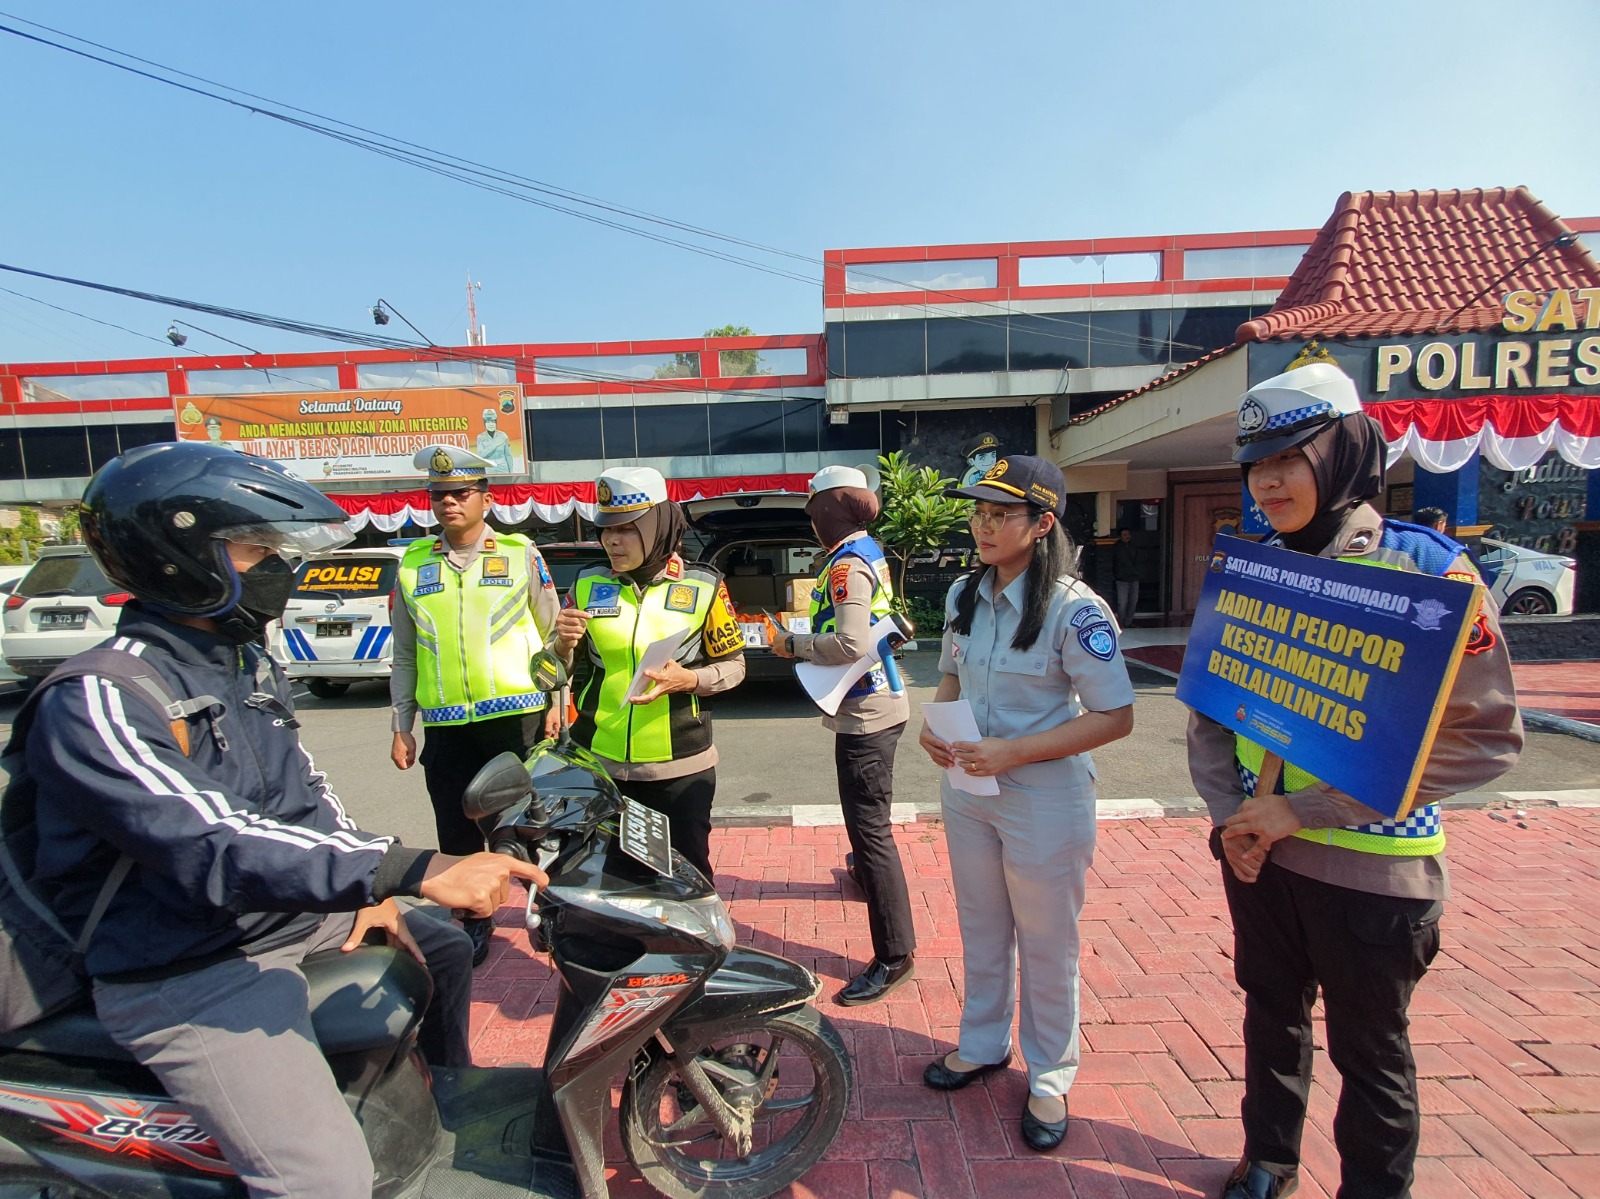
column 1156, row 384
column 1396, row 263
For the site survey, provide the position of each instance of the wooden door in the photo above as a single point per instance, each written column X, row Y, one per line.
column 1201, row 510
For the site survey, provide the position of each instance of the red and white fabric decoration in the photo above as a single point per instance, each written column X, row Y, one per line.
column 515, row 503
column 1514, row 432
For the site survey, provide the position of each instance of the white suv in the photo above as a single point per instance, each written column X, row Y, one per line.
column 62, row 606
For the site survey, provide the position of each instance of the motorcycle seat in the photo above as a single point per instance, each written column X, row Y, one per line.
column 371, row 997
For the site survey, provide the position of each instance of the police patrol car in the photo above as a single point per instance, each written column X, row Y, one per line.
column 336, row 629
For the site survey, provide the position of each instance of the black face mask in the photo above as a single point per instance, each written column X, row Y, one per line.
column 264, row 592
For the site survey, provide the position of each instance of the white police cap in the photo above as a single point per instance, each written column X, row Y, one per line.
column 451, row 466
column 864, row 476
column 1285, row 410
column 625, row 493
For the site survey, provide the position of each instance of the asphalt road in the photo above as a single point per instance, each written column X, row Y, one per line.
column 775, row 753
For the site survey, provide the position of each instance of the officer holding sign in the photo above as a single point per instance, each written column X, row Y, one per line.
column 656, row 742
column 473, row 607
column 1324, row 890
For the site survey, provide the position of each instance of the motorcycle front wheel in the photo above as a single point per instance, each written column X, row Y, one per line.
column 790, row 1070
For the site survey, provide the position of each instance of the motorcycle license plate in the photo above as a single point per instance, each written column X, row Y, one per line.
column 646, row 836
column 70, row 619
column 334, row 628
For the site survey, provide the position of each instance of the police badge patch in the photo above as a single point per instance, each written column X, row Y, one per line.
column 497, row 567
column 1099, row 640
column 428, row 582
column 681, row 597
column 603, row 599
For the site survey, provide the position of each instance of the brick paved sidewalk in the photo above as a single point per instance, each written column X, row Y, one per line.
column 1570, row 689
column 1507, row 1025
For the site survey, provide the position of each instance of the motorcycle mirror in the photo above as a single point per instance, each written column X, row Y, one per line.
column 502, row 782
column 549, row 674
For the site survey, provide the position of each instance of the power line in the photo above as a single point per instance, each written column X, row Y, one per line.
column 372, row 340
column 498, row 181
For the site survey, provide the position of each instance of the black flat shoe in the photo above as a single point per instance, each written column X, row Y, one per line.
column 876, row 981
column 1041, row 1135
column 1251, row 1181
column 942, row 1078
column 850, row 868
column 480, row 930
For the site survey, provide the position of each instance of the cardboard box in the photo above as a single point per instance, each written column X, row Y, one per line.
column 797, row 592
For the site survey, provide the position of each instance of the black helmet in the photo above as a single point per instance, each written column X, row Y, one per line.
column 156, row 519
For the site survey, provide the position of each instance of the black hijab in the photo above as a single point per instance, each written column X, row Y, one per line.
column 661, row 529
column 841, row 512
column 1347, row 458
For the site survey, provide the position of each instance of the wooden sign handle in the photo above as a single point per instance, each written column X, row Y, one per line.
column 1271, row 772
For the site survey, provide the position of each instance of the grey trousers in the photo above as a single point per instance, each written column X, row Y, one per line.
column 1019, row 862
column 233, row 1041
column 1127, row 601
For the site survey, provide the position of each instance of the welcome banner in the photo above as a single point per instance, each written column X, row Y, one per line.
column 328, row 436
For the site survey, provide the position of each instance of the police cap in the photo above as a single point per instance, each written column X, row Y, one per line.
column 625, row 493
column 1279, row 413
column 451, row 466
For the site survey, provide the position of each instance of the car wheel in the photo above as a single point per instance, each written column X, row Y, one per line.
column 326, row 688
column 1530, row 601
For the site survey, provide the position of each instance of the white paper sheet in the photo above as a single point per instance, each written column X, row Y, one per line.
column 826, row 685
column 656, row 655
column 951, row 722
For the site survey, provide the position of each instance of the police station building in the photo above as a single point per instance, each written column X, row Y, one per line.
column 1467, row 318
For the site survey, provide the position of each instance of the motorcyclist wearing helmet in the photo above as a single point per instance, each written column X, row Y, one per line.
column 244, row 860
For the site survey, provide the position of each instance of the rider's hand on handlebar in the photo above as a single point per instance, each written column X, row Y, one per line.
column 478, row 883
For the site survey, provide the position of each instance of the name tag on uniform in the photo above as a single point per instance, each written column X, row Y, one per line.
column 681, row 597
column 604, row 600
column 427, row 579
column 496, row 572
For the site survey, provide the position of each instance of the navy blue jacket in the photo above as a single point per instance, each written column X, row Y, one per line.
column 239, row 845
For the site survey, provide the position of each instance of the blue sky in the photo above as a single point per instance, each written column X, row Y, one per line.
column 805, row 127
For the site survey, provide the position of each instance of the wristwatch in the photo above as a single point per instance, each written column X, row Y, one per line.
column 788, row 644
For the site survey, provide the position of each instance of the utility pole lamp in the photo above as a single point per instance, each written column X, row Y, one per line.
column 382, row 310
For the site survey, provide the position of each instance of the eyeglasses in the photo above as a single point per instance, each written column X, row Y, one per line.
column 458, row 494
column 995, row 520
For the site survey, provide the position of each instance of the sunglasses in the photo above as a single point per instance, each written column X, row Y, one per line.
column 458, row 494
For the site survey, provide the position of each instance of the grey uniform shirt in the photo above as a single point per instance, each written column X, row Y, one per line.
column 543, row 601
column 1479, row 739
column 1075, row 664
column 859, row 714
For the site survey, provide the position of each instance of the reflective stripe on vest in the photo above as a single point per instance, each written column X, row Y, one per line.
column 1419, row 835
column 475, row 632
column 665, row 729
column 824, row 619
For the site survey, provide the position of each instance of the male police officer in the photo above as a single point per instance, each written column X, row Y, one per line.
column 475, row 606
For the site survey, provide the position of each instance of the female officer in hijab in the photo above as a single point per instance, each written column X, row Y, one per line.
column 852, row 590
column 1324, row 890
column 657, row 744
column 1034, row 653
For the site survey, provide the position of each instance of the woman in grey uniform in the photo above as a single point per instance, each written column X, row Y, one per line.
column 1034, row 652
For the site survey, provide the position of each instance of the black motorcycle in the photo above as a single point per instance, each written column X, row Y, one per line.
column 734, row 1085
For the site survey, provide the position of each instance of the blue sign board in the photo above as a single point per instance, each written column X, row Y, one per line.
column 1338, row 668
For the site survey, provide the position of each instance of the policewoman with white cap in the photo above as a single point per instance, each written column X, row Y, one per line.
column 1034, row 653
column 1323, row 890
column 474, row 606
column 656, row 745
column 851, row 591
